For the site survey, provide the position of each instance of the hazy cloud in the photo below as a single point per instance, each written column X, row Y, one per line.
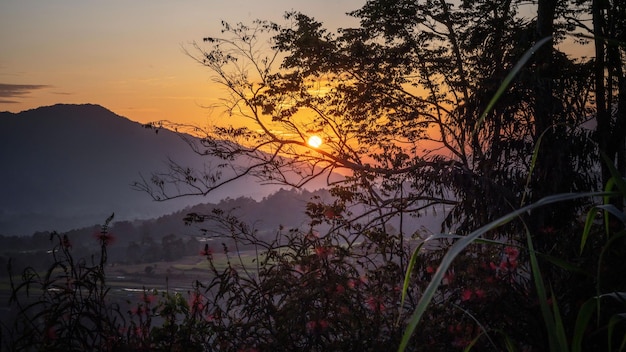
column 9, row 93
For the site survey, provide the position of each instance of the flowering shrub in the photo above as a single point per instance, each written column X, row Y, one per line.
column 66, row 308
column 340, row 289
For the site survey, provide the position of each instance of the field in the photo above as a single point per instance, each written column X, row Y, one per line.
column 127, row 281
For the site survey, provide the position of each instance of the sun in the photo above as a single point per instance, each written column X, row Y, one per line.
column 314, row 141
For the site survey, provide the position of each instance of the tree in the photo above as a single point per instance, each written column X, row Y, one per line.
column 404, row 105
column 398, row 103
column 609, row 19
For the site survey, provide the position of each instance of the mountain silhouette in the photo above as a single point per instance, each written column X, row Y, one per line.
column 69, row 166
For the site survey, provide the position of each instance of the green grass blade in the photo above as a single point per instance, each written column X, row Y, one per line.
column 582, row 321
column 508, row 343
column 533, row 163
column 542, row 295
column 612, row 322
column 507, row 81
column 614, row 211
column 462, row 243
column 409, row 270
column 561, row 336
column 608, row 209
column 615, row 175
column 563, row 264
column 591, row 215
column 482, row 328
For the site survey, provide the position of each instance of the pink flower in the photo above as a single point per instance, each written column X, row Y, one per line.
column 340, row 289
column 480, row 293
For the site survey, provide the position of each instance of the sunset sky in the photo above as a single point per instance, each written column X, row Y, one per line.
column 126, row 55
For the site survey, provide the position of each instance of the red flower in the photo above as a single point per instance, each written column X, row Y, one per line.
column 139, row 310
column 511, row 252
column 352, row 283
column 430, row 269
column 148, row 298
column 330, row 213
column 375, row 303
column 207, row 251
column 105, row 238
column 196, row 301
column 141, row 332
column 323, row 251
column 508, row 264
column 316, row 326
column 51, row 333
column 311, row 325
column 466, row 295
column 340, row 289
column 480, row 293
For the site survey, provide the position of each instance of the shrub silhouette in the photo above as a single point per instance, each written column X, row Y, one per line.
column 338, row 290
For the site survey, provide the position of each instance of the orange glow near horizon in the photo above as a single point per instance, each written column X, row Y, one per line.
column 129, row 57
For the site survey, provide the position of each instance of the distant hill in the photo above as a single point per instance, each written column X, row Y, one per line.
column 70, row 166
